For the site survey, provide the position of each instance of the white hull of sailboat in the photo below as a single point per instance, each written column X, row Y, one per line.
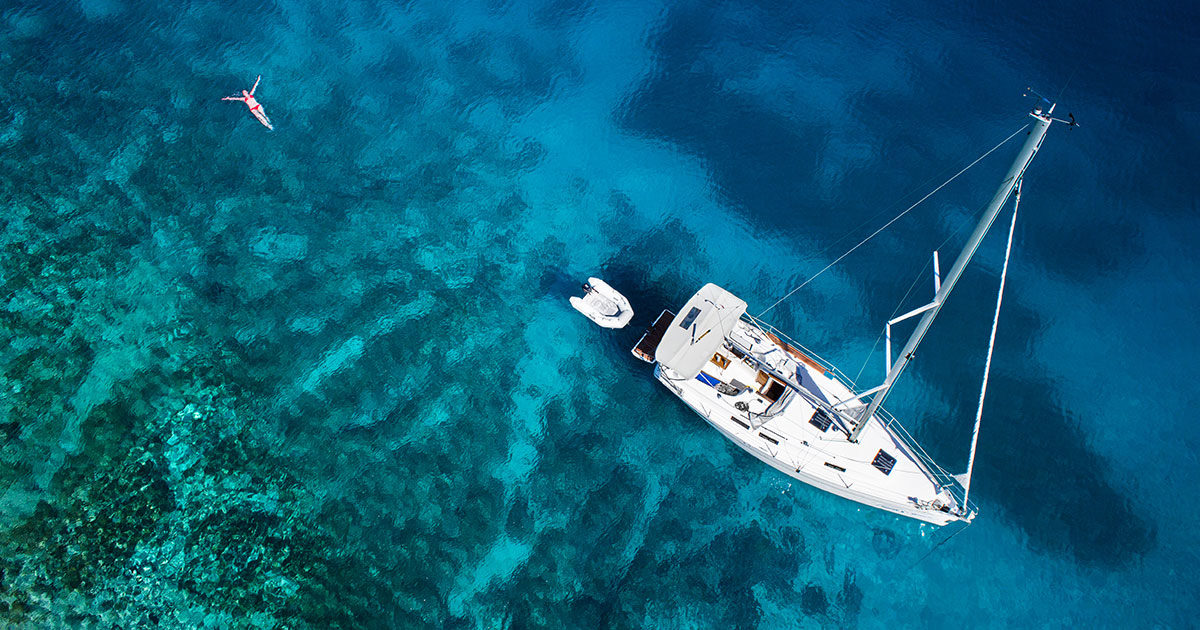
column 745, row 439
column 935, row 517
column 778, row 429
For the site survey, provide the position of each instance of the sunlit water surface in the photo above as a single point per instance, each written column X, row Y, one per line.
column 328, row 376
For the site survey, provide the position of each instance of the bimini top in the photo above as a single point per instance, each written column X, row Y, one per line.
column 699, row 329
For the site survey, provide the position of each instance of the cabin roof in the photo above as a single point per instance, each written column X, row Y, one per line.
column 699, row 329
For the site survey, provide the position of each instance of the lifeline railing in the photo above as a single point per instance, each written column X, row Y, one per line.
column 940, row 475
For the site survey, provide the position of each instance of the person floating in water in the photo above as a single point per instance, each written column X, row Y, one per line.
column 256, row 108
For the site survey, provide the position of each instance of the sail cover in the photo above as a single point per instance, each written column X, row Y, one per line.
column 699, row 329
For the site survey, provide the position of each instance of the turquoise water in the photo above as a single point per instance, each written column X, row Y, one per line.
column 328, row 376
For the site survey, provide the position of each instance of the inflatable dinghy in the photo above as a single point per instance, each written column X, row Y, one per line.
column 603, row 305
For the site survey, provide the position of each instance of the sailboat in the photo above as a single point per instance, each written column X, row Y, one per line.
column 796, row 412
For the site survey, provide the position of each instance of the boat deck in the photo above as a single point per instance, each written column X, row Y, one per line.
column 795, row 437
column 646, row 346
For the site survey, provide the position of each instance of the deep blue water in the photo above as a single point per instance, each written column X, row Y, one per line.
column 327, row 376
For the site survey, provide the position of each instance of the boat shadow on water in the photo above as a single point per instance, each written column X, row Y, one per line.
column 1035, row 462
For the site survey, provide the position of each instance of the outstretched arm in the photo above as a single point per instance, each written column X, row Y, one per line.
column 255, row 85
column 233, row 98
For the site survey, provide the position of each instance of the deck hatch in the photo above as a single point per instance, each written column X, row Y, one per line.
column 884, row 462
column 821, row 420
column 773, row 390
column 687, row 320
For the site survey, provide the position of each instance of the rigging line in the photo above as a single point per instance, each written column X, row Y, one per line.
column 935, row 547
column 933, row 177
column 862, row 369
column 987, row 365
column 894, row 219
column 900, row 304
column 884, row 211
column 1064, row 87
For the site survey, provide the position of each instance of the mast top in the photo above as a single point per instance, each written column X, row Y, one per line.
column 1049, row 115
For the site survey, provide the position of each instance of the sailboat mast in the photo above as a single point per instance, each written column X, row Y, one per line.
column 1032, row 143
